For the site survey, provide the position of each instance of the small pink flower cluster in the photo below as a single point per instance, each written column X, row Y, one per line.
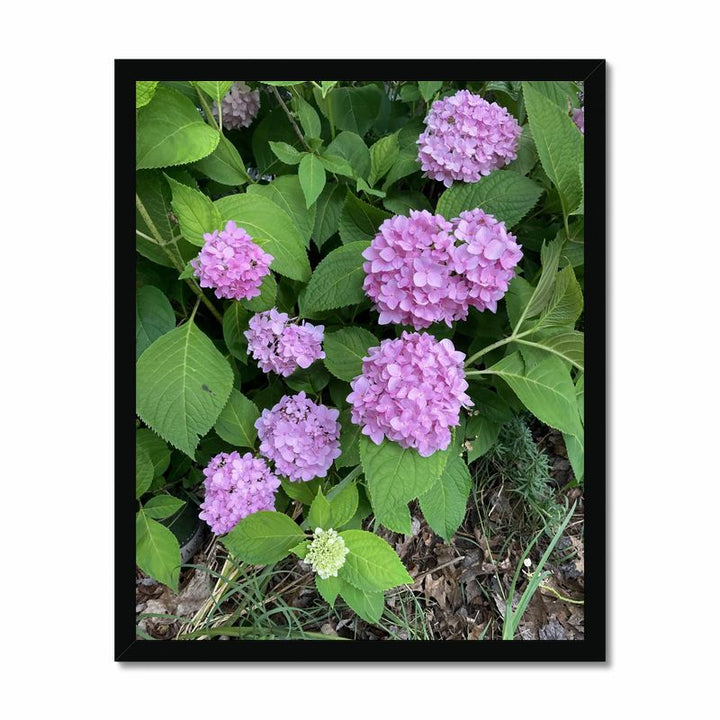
column 466, row 137
column 578, row 117
column 239, row 106
column 231, row 263
column 417, row 275
column 301, row 437
column 281, row 346
column 410, row 391
column 235, row 487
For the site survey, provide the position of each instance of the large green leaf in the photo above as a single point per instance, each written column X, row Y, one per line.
column 352, row 148
column 144, row 91
column 157, row 551
column 266, row 299
column 337, row 280
column 371, row 563
column 236, row 422
column 285, row 192
column 396, row 475
column 312, row 178
column 567, row 345
column 183, row 382
column 566, row 302
column 329, row 588
column 329, row 207
column 170, row 131
column 144, row 471
column 505, row 194
column 263, row 537
column 154, row 317
column 343, row 505
column 428, row 88
column 157, row 450
column 274, row 127
column 319, row 514
column 444, row 505
column 309, row 119
column 162, row 506
column 348, row 440
column 235, row 323
column 154, row 193
column 354, row 108
column 345, row 350
column 367, row 604
column 383, row 155
column 216, row 89
column 195, row 212
column 272, row 229
column 359, row 221
column 559, row 145
column 224, row 165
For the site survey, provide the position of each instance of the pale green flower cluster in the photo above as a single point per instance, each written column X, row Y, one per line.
column 326, row 553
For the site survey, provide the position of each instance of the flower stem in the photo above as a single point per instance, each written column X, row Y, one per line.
column 290, row 118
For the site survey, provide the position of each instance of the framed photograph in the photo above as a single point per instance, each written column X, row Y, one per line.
column 362, row 393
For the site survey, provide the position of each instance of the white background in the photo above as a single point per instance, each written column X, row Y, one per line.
column 57, row 292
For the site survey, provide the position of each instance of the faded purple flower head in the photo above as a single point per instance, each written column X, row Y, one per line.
column 301, row 437
column 239, row 106
column 466, row 137
column 280, row 345
column 578, row 116
column 410, row 391
column 235, row 487
column 424, row 269
column 231, row 263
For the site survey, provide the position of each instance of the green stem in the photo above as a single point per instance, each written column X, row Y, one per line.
column 496, row 345
column 550, row 350
column 290, row 118
column 208, row 110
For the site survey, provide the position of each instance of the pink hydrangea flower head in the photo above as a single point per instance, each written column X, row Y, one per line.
column 410, row 391
column 281, row 345
column 578, row 117
column 485, row 258
column 466, row 137
column 408, row 270
column 239, row 106
column 300, row 436
column 231, row 263
column 236, row 486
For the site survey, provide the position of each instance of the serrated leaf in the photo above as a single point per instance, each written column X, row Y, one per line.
column 183, row 382
column 170, row 131
column 286, row 153
column 444, row 505
column 263, row 537
column 505, row 194
column 216, row 89
column 549, row 257
column 312, row 178
column 569, row 346
column 195, row 212
column 224, row 165
column 362, row 186
column 157, row 551
column 352, row 148
column 309, row 119
column 162, row 506
column 406, row 164
column 329, row 207
column 154, row 317
column 558, row 143
column 371, row 563
column 359, row 221
column 301, row 549
column 348, row 441
column 236, row 422
column 343, row 506
column 144, row 91
column 368, row 605
column 157, row 450
column 272, row 229
column 354, row 108
column 319, row 514
column 144, row 471
column 235, row 323
column 155, row 196
column 303, row 492
column 396, row 475
column 345, row 350
column 337, row 165
column 329, row 588
column 285, row 192
column 527, row 156
column 428, row 88
column 566, row 302
column 383, row 155
column 337, row 280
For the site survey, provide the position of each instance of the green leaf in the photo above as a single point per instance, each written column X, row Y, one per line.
column 263, row 537
column 563, row 94
column 272, row 229
column 154, row 317
column 337, row 280
column 224, row 165
column 236, row 422
column 312, row 178
column 310, row 380
column 144, row 91
column 337, row 165
column 157, row 551
column 170, row 131
column 401, row 202
column 348, row 441
column 329, row 588
column 287, row 153
column 235, row 323
column 266, row 299
column 144, row 471
column 359, row 221
column 195, row 212
column 559, row 145
column 155, row 195
column 428, row 88
column 162, row 506
column 285, row 192
column 406, row 164
column 549, row 257
column 354, row 108
column 362, row 186
column 352, row 148
column 301, row 549
column 274, row 127
column 546, row 389
column 504, row 194
column 309, row 119
column 566, row 302
column 183, row 382
column 368, row 605
column 343, row 506
column 481, row 434
column 569, row 346
column 157, row 450
column 303, row 492
column 371, row 563
column 527, row 156
column 216, row 89
column 282, row 83
column 444, row 505
column 345, row 350
column 396, row 475
column 326, row 86
column 383, row 155
column 319, row 514
column 329, row 207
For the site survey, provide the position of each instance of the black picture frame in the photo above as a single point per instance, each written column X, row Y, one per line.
column 593, row 646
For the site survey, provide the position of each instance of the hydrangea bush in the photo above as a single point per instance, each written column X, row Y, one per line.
column 344, row 290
